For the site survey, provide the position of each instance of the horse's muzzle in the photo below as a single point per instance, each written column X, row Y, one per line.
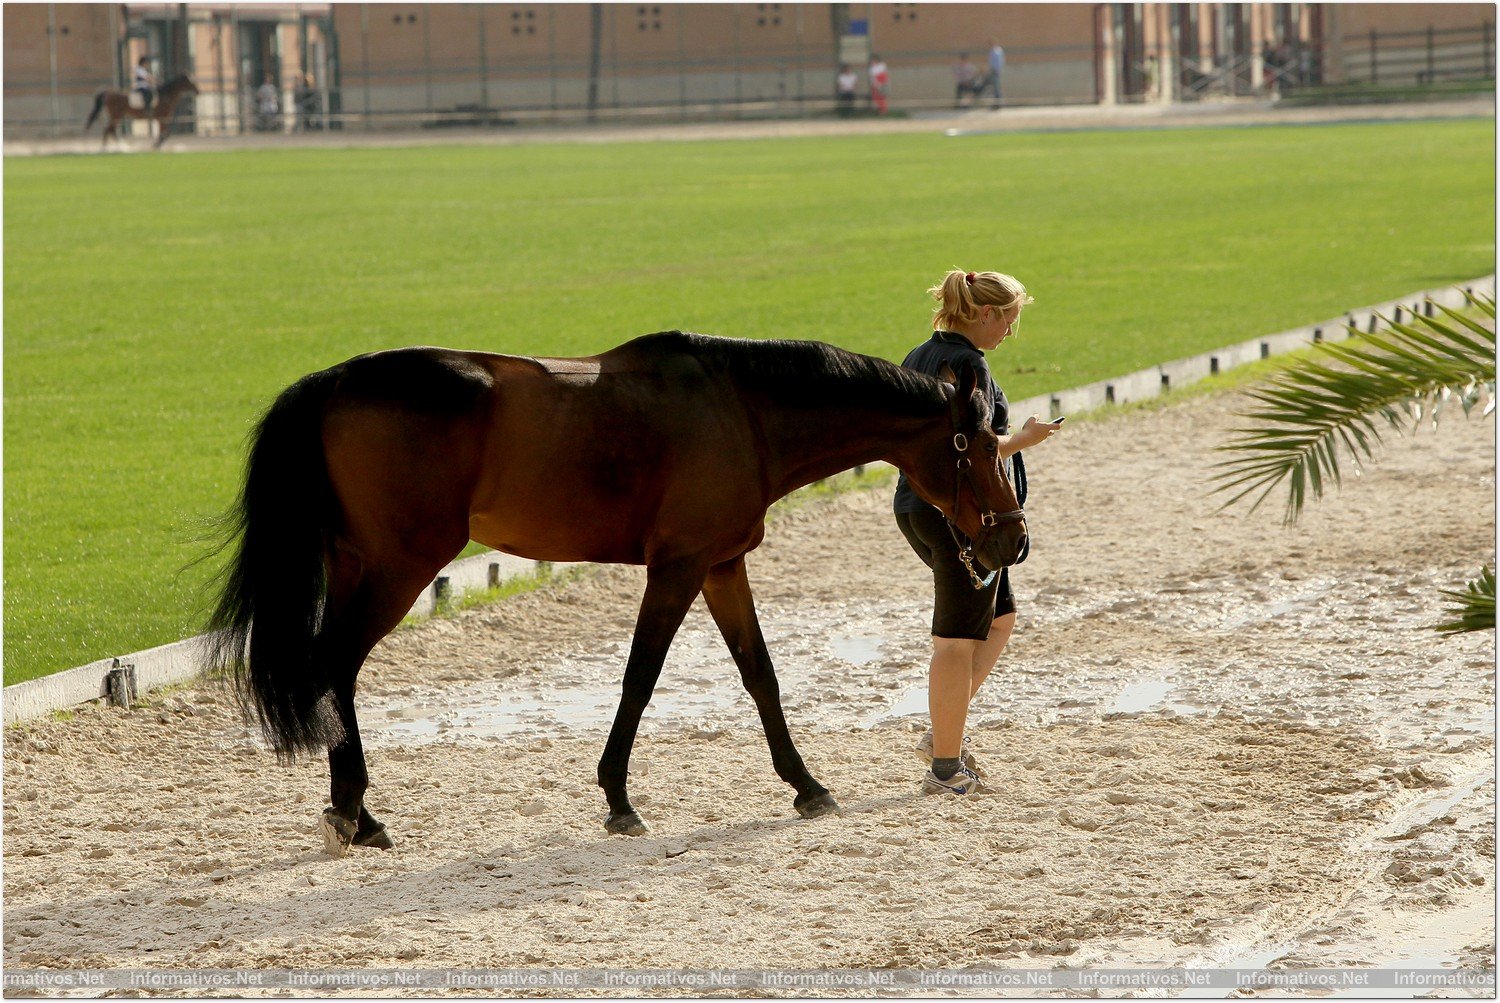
column 1001, row 545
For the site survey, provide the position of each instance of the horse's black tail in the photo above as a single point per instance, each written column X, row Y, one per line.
column 98, row 104
column 265, row 628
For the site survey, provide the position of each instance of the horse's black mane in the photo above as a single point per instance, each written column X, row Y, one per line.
column 809, row 372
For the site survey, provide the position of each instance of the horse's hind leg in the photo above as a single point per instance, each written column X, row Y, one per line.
column 727, row 592
column 362, row 610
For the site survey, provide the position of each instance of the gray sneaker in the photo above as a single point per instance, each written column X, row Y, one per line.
column 965, row 781
column 965, row 751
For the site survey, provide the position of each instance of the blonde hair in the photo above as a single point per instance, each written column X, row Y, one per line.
column 961, row 294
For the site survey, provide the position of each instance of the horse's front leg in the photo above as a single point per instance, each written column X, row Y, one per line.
column 670, row 590
column 162, row 128
column 727, row 591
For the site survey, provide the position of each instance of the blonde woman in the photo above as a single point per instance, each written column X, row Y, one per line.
column 972, row 619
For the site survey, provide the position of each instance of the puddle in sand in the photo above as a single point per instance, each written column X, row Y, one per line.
column 856, row 650
column 1132, row 699
column 1139, row 697
column 913, row 701
column 686, row 693
column 487, row 714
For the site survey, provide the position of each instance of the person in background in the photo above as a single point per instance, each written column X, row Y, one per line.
column 997, row 64
column 143, row 82
column 880, row 85
column 267, row 106
column 846, row 84
column 972, row 619
column 305, row 99
column 963, row 79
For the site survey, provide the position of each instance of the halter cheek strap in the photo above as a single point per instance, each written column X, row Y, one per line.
column 988, row 519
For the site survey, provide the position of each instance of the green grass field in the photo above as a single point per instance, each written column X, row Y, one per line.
column 154, row 304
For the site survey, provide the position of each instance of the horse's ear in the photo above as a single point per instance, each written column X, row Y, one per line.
column 966, row 380
column 946, row 375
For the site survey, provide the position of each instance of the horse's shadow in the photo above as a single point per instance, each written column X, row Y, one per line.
column 540, row 871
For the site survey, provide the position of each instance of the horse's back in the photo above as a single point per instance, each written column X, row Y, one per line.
column 598, row 458
column 428, row 380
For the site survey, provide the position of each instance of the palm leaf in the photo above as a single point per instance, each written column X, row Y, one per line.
column 1331, row 405
column 1473, row 607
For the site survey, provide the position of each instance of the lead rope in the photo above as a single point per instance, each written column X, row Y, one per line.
column 968, row 562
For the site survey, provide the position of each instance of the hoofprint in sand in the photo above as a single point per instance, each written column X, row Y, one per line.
column 1214, row 741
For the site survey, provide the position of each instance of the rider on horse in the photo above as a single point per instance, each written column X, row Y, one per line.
column 145, row 82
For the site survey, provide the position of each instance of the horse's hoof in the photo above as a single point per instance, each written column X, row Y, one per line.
column 376, row 837
column 817, row 807
column 338, row 832
column 626, row 824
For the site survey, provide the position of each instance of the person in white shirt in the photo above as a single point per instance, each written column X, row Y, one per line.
column 143, row 82
column 880, row 84
column 848, row 82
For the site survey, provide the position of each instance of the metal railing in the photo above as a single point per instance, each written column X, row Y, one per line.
column 1421, row 57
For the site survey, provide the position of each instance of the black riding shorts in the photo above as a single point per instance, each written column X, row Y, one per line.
column 958, row 608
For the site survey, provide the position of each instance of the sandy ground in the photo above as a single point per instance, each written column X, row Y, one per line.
column 1214, row 741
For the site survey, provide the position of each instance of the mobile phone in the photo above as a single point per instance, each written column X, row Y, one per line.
column 1060, row 418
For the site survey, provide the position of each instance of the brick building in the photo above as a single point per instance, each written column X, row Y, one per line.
column 408, row 65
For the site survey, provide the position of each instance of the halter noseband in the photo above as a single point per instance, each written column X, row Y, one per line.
column 990, row 520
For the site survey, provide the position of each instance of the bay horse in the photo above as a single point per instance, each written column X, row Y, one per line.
column 117, row 104
column 363, row 480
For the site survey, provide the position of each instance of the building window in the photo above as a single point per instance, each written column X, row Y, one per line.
column 768, row 15
column 904, row 12
column 648, row 19
column 523, row 21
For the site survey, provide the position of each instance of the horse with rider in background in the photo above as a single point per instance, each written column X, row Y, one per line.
column 119, row 106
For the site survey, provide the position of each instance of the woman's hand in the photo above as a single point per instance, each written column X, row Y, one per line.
column 1035, row 431
column 1032, row 432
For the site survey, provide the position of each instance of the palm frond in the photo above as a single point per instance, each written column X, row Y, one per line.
column 1473, row 607
column 1333, row 404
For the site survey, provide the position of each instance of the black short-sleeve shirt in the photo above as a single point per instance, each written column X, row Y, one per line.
column 946, row 350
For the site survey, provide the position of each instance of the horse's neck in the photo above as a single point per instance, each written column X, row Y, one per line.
column 807, row 446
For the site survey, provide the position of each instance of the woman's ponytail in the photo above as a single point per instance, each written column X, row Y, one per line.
column 960, row 295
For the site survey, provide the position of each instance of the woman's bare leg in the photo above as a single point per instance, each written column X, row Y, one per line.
column 987, row 652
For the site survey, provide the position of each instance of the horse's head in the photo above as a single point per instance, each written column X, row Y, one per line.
column 963, row 477
column 181, row 83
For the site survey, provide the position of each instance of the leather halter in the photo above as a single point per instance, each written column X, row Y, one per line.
column 988, row 519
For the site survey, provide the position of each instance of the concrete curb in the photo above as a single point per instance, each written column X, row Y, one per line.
column 1150, row 382
column 472, row 574
column 137, row 673
column 122, row 679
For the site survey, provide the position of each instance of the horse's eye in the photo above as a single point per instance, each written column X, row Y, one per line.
column 990, row 446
